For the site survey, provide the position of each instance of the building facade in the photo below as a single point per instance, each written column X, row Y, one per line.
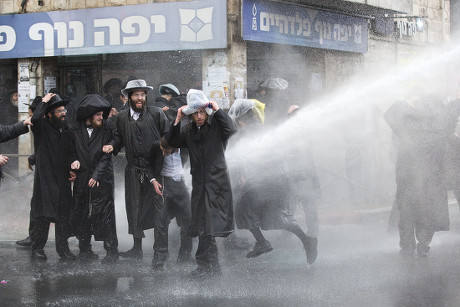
column 225, row 47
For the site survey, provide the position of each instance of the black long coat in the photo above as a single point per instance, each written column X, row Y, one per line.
column 421, row 137
column 55, row 151
column 145, row 161
column 171, row 104
column 9, row 132
column 212, row 208
column 97, row 203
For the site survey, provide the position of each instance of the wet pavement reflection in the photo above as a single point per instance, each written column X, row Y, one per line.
column 358, row 265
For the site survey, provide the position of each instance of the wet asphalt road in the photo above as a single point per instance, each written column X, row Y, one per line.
column 358, row 265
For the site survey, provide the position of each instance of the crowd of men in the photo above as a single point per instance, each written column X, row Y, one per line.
column 74, row 175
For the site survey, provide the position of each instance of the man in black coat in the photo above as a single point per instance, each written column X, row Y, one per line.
column 167, row 101
column 10, row 132
column 52, row 191
column 422, row 126
column 93, row 191
column 139, row 129
column 31, row 163
column 206, row 138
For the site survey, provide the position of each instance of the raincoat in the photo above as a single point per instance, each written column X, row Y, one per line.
column 212, row 209
column 421, row 136
column 97, row 203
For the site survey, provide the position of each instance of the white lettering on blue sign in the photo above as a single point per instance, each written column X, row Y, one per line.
column 7, row 38
column 177, row 25
column 296, row 25
column 282, row 23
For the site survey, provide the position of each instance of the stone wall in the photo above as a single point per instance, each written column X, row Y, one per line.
column 14, row 6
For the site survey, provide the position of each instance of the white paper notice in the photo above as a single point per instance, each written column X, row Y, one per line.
column 23, row 96
column 50, row 82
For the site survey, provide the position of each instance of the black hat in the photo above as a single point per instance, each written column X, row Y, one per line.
column 91, row 104
column 169, row 89
column 110, row 82
column 56, row 102
column 34, row 103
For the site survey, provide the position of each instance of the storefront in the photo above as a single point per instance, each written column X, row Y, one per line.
column 78, row 51
column 296, row 41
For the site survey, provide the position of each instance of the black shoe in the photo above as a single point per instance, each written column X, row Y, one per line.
column 39, row 254
column 203, row 271
column 232, row 242
column 185, row 259
column 200, row 272
column 26, row 242
column 259, row 249
column 111, row 257
column 406, row 252
column 68, row 255
column 88, row 255
column 422, row 249
column 133, row 253
column 159, row 267
column 311, row 249
column 215, row 269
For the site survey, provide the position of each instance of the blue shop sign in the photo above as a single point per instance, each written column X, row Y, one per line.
column 200, row 24
column 275, row 22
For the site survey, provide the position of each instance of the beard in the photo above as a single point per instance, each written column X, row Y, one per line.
column 96, row 124
column 136, row 109
column 57, row 123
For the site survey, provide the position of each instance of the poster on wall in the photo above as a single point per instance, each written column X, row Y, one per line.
column 217, row 91
column 24, row 71
column 50, row 82
column 23, row 96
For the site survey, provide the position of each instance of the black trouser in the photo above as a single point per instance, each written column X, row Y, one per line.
column 410, row 229
column 42, row 225
column 207, row 254
column 177, row 200
column 84, row 239
column 31, row 218
column 160, row 246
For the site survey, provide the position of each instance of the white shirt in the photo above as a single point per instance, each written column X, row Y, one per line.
column 172, row 166
column 134, row 115
column 90, row 131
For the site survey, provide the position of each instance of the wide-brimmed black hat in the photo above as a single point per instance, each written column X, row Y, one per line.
column 56, row 102
column 34, row 103
column 91, row 104
column 169, row 89
column 110, row 82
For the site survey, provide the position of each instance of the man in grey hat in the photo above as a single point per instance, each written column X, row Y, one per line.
column 167, row 102
column 139, row 129
column 52, row 191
